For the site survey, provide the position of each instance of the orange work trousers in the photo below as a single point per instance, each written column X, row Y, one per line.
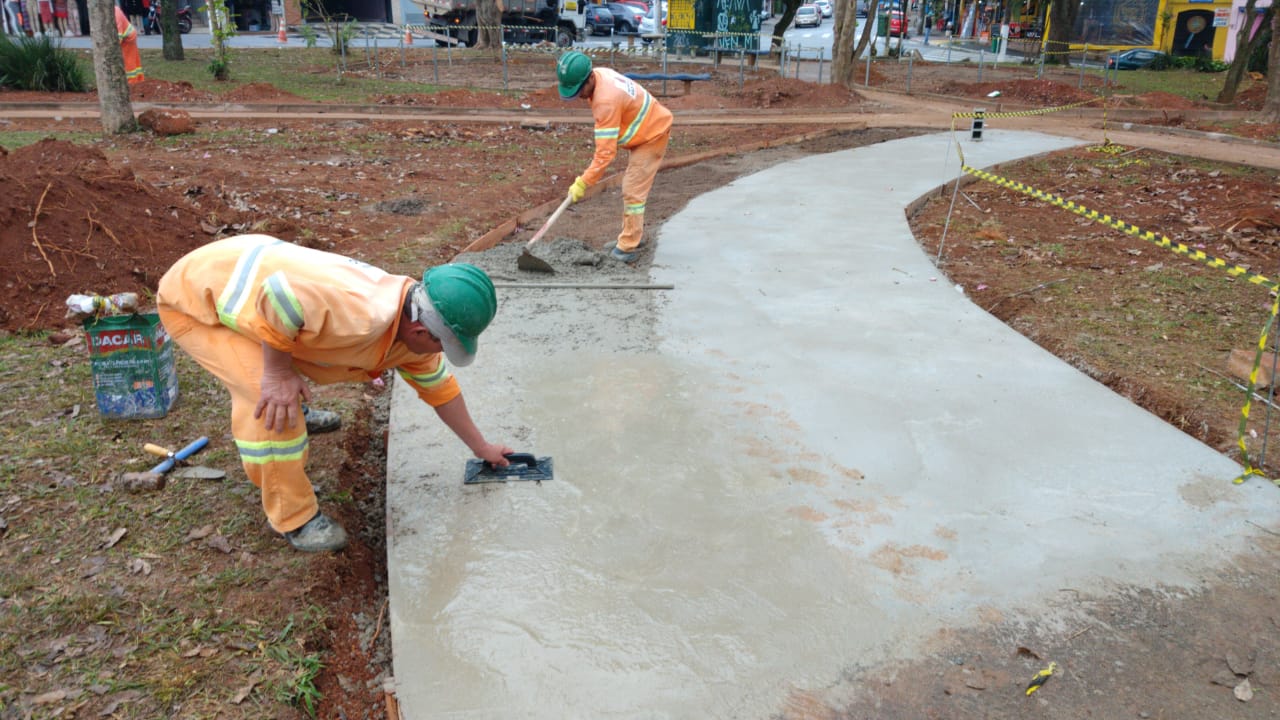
column 642, row 167
column 274, row 461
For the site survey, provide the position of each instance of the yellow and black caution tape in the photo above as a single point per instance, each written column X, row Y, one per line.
column 1022, row 113
column 1236, row 271
column 1249, row 469
column 1042, row 677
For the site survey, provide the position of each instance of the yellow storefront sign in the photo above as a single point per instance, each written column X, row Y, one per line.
column 680, row 15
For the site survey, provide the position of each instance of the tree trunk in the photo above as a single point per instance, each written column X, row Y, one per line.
column 1245, row 47
column 1062, row 22
column 843, row 58
column 172, row 37
column 489, row 17
column 867, row 41
column 788, row 14
column 108, row 69
column 1271, row 108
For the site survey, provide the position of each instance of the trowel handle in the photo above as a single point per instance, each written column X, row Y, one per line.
column 547, row 226
column 182, row 454
column 522, row 459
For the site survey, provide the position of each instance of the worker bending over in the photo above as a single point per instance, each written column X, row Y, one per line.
column 261, row 315
column 625, row 115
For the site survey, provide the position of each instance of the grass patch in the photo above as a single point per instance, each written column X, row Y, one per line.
column 1189, row 84
column 308, row 73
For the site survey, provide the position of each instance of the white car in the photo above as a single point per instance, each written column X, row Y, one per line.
column 825, row 6
column 807, row 16
column 650, row 24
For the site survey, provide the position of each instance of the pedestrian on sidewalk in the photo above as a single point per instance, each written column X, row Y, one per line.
column 625, row 115
column 264, row 316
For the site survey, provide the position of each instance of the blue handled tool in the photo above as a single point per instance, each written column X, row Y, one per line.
column 172, row 458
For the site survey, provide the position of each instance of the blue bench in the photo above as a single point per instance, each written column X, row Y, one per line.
column 686, row 78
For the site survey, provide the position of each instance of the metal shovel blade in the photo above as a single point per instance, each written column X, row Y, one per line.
column 529, row 261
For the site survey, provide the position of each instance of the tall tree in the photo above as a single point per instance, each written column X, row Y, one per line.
column 489, row 17
column 789, row 8
column 108, row 69
column 1246, row 46
column 1271, row 108
column 1062, row 23
column 845, row 17
column 845, row 52
column 172, row 38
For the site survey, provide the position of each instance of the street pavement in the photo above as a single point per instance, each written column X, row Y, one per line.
column 796, row 466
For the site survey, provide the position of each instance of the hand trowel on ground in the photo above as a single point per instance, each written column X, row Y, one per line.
column 524, row 466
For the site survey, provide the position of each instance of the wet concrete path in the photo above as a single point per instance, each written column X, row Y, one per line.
column 798, row 464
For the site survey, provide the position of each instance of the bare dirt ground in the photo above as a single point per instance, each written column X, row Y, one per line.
column 186, row 619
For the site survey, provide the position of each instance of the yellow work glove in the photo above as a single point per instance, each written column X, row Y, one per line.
column 577, row 189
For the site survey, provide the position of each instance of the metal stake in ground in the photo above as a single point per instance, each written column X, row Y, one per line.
column 527, row 260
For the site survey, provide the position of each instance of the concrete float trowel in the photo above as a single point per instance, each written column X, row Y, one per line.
column 524, row 466
column 529, row 261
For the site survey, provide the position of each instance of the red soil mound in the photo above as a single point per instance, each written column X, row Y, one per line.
column 70, row 223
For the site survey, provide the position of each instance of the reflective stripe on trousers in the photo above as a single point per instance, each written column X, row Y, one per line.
column 274, row 461
column 642, row 167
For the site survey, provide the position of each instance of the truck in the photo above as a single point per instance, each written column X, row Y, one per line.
column 523, row 21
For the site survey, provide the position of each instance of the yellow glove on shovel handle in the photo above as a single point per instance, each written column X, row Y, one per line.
column 577, row 189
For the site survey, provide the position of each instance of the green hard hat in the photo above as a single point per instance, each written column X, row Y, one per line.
column 572, row 70
column 464, row 298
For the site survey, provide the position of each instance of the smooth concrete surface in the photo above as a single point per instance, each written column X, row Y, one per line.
column 802, row 462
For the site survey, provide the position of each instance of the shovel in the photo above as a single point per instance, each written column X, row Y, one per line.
column 527, row 260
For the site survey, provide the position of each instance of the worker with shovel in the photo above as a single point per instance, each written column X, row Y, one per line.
column 625, row 115
column 261, row 315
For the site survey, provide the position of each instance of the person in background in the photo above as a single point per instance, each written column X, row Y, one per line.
column 128, row 34
column 135, row 11
column 263, row 316
column 12, row 18
column 625, row 115
column 60, row 18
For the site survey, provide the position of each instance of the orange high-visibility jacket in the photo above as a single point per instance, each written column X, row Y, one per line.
column 337, row 316
column 625, row 114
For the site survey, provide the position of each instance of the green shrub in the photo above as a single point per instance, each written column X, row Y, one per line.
column 1209, row 65
column 35, row 63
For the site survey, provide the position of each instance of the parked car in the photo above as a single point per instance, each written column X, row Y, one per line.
column 808, row 16
column 1138, row 59
column 825, row 6
column 626, row 18
column 898, row 24
column 655, row 21
column 599, row 20
column 644, row 6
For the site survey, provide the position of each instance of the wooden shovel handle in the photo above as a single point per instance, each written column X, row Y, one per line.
column 547, row 225
column 157, row 450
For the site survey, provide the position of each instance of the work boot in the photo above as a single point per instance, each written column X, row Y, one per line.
column 320, row 421
column 623, row 256
column 320, row 534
